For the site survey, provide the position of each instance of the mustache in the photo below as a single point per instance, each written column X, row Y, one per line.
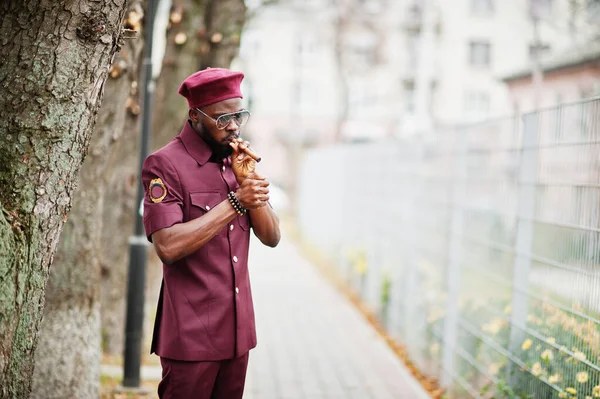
column 232, row 137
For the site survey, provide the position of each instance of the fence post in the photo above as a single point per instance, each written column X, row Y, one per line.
column 455, row 258
column 412, row 234
column 524, row 236
column 399, row 192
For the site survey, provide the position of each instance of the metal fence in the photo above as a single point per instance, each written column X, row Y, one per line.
column 477, row 246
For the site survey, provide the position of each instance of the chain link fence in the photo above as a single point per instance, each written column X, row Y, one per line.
column 477, row 246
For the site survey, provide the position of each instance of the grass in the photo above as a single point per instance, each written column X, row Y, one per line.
column 109, row 385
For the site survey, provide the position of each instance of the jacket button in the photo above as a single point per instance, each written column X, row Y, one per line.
column 207, row 208
column 235, row 259
column 230, row 227
column 237, row 290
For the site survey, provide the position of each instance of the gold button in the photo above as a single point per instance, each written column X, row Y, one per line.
column 230, row 227
column 207, row 208
column 237, row 290
column 235, row 259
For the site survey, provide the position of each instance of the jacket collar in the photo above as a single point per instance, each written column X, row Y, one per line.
column 194, row 144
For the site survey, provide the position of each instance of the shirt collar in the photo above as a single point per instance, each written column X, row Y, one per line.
column 194, row 144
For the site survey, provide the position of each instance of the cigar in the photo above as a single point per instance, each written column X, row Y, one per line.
column 252, row 154
column 248, row 151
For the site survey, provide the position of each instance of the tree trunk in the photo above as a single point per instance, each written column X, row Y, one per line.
column 197, row 21
column 67, row 359
column 55, row 58
column 213, row 30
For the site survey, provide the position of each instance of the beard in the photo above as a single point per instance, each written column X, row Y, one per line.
column 219, row 150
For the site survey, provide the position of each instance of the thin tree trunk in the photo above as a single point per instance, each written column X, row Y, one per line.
column 67, row 359
column 55, row 58
column 343, row 12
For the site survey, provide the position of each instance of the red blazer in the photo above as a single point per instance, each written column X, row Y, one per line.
column 205, row 310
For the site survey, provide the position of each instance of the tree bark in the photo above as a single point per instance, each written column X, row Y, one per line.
column 55, row 58
column 213, row 29
column 198, row 21
column 67, row 359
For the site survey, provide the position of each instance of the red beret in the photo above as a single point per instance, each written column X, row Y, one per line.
column 210, row 86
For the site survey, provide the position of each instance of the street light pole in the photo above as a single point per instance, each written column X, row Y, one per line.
column 138, row 244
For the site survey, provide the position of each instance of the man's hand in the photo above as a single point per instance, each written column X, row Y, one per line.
column 253, row 192
column 242, row 164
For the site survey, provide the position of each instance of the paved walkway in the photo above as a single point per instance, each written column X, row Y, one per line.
column 312, row 342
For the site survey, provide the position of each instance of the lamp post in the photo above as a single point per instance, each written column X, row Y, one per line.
column 137, row 243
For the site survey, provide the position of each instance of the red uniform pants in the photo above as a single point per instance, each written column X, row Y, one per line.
column 203, row 380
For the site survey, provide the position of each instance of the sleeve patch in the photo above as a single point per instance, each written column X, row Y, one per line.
column 157, row 190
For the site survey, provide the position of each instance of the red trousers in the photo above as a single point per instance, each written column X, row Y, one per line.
column 203, row 380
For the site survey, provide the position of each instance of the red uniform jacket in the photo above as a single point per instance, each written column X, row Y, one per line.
column 205, row 310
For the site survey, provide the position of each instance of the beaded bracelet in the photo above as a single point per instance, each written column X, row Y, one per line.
column 236, row 204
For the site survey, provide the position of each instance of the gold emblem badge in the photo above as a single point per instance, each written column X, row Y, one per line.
column 157, row 190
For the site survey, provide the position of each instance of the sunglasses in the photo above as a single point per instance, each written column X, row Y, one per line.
column 239, row 117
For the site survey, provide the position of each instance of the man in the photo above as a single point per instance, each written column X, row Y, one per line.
column 202, row 199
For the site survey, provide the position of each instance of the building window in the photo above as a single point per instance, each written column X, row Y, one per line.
column 539, row 50
column 477, row 103
column 540, row 8
column 412, row 54
column 480, row 53
column 307, row 50
column 482, row 7
column 409, row 97
column 361, row 50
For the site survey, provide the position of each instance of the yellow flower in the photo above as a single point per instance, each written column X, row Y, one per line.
column 596, row 391
column 361, row 266
column 493, row 368
column 494, row 326
column 547, row 355
column 526, row 344
column 536, row 369
column 554, row 378
column 588, row 397
column 571, row 390
column 562, row 395
column 551, row 340
column 582, row 377
column 579, row 355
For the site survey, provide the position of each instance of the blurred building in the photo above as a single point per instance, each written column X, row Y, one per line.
column 319, row 71
column 322, row 71
column 477, row 42
column 290, row 82
column 567, row 77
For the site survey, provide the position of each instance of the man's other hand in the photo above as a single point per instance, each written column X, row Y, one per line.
column 253, row 192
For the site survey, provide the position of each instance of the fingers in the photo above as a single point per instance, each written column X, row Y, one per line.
column 255, row 193
column 236, row 150
column 254, row 181
column 253, row 201
column 262, row 190
column 244, row 149
column 256, row 176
